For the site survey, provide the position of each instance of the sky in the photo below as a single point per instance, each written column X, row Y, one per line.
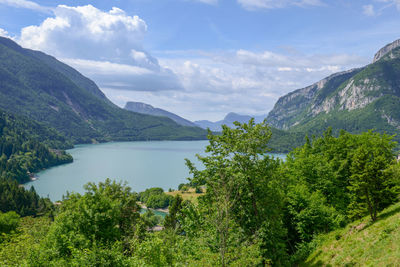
column 204, row 58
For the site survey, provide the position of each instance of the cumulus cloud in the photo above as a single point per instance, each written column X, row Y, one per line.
column 26, row 4
column 272, row 4
column 106, row 46
column 86, row 32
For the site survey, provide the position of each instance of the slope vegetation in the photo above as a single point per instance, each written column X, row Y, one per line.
column 361, row 243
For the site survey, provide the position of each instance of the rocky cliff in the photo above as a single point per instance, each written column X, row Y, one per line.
column 386, row 49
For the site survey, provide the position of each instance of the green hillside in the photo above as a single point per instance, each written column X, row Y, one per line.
column 39, row 87
column 361, row 243
column 27, row 147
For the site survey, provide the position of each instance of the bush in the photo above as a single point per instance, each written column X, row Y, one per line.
column 8, row 222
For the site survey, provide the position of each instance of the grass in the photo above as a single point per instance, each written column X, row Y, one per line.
column 189, row 194
column 361, row 243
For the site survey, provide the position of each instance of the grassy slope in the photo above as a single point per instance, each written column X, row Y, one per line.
column 361, row 243
column 190, row 194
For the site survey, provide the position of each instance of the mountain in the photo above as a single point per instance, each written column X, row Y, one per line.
column 228, row 120
column 41, row 88
column 354, row 100
column 143, row 108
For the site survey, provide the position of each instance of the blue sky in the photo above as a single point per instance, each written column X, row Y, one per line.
column 204, row 58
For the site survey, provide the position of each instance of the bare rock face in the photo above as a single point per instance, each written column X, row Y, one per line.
column 386, row 49
column 306, row 101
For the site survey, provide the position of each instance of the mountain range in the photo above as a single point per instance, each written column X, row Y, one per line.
column 144, row 108
column 216, row 126
column 40, row 87
column 355, row 100
column 229, row 119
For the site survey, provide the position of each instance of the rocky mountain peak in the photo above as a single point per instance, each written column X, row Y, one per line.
column 386, row 49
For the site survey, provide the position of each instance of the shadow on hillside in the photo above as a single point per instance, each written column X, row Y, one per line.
column 382, row 216
column 388, row 213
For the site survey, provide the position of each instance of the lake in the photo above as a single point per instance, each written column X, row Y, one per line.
column 141, row 164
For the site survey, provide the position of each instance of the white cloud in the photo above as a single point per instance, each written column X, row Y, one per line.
column 272, row 4
column 86, row 32
column 4, row 33
column 126, row 77
column 242, row 81
column 26, row 4
column 369, row 10
column 102, row 45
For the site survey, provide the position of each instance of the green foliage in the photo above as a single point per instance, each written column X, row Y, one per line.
column 242, row 194
column 310, row 213
column 14, row 197
column 369, row 185
column 171, row 220
column 19, row 246
column 151, row 219
column 24, row 148
column 285, row 141
column 334, row 180
column 155, row 198
column 107, row 214
column 9, row 221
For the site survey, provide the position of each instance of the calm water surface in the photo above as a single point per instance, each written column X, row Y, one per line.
column 141, row 164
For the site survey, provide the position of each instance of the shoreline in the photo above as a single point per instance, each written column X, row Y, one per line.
column 143, row 206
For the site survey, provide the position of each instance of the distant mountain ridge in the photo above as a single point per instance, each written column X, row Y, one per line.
column 229, row 119
column 41, row 88
column 144, row 108
column 354, row 100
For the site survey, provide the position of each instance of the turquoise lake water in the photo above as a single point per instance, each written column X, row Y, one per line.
column 141, row 164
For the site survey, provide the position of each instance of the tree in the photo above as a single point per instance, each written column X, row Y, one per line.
column 171, row 220
column 371, row 189
column 105, row 216
column 242, row 192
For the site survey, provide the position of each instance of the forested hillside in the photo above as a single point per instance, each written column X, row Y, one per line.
column 27, row 147
column 41, row 88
